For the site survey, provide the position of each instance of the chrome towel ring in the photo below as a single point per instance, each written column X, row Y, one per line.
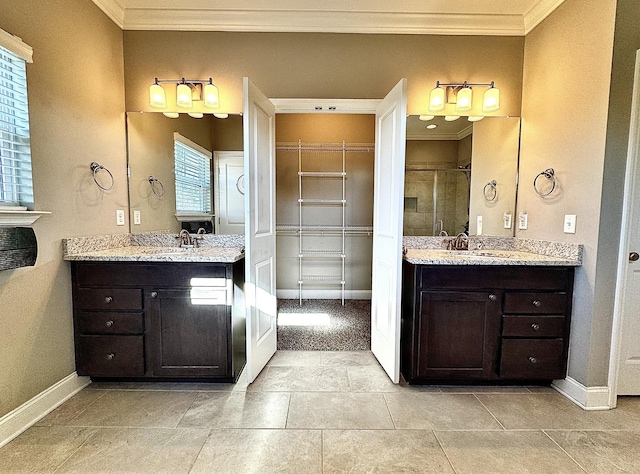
column 549, row 174
column 240, row 184
column 156, row 186
column 490, row 194
column 95, row 167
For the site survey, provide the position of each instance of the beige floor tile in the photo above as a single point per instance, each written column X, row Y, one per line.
column 626, row 416
column 383, row 451
column 306, row 379
column 297, row 358
column 482, row 389
column 71, row 408
column 136, row 409
column 42, row 448
column 349, row 358
column 510, row 452
column 310, row 410
column 601, row 452
column 541, row 411
column 261, row 451
column 237, row 410
column 439, row 411
column 137, row 450
column 373, row 379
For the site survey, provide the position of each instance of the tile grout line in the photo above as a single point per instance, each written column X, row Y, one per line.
column 386, row 404
column 195, row 459
column 490, row 412
column 563, row 450
column 76, row 450
column 443, row 450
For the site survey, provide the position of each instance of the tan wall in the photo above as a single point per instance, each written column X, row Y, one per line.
column 567, row 69
column 306, row 65
column 76, row 105
column 151, row 153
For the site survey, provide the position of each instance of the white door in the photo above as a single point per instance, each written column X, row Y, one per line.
column 391, row 121
column 229, row 196
column 628, row 300
column 259, row 122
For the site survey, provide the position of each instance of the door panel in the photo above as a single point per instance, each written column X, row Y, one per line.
column 229, row 206
column 387, row 229
column 260, row 237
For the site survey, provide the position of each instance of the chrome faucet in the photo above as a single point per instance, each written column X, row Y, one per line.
column 459, row 242
column 201, row 231
column 185, row 238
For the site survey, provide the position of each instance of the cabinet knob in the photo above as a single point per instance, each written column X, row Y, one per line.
column 634, row 257
column 110, row 356
column 533, row 360
column 536, row 303
column 493, row 297
column 108, row 299
column 535, row 326
column 109, row 323
column 154, row 294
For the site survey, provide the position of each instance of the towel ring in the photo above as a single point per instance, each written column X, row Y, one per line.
column 95, row 167
column 240, row 184
column 153, row 182
column 549, row 174
column 492, row 185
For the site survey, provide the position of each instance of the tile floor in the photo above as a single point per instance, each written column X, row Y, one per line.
column 325, row 412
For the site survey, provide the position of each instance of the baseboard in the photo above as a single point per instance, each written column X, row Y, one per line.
column 587, row 398
column 324, row 294
column 32, row 411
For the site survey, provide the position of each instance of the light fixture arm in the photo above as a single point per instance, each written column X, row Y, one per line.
column 465, row 84
column 184, row 81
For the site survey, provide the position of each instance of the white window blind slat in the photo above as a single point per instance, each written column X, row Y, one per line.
column 192, row 177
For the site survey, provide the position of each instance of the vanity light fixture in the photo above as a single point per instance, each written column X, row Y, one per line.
column 188, row 91
column 461, row 94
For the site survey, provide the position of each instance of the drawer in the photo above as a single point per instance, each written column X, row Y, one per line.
column 110, row 356
column 533, row 326
column 101, row 322
column 532, row 359
column 535, row 303
column 108, row 298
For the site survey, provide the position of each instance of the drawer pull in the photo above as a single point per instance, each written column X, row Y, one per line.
column 493, row 297
column 154, row 294
column 535, row 326
column 536, row 303
column 533, row 360
column 108, row 299
column 109, row 323
column 110, row 356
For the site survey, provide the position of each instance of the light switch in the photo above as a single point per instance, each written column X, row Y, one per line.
column 570, row 224
column 136, row 217
column 523, row 220
column 479, row 225
column 506, row 217
column 120, row 217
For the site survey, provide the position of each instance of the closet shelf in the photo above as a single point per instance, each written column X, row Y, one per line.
column 321, row 280
column 321, row 174
column 323, row 202
column 321, row 254
column 295, row 229
column 331, row 147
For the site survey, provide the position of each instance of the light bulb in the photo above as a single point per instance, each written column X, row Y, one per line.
column 157, row 98
column 183, row 96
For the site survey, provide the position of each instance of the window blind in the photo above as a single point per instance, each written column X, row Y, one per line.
column 193, row 176
column 16, row 186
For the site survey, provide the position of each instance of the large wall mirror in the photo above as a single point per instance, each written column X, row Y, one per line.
column 459, row 170
column 154, row 142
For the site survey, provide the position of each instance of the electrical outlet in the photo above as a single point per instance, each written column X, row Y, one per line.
column 506, row 217
column 119, row 217
column 570, row 224
column 523, row 221
column 136, row 217
column 479, row 225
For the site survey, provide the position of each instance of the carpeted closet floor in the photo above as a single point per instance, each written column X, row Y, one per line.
column 324, row 325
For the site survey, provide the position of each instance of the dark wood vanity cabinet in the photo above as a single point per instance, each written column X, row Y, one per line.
column 159, row 320
column 484, row 323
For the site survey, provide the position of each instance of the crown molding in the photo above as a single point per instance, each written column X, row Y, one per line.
column 114, row 9
column 538, row 12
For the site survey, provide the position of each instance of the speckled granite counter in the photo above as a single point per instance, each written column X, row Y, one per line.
column 492, row 251
column 160, row 247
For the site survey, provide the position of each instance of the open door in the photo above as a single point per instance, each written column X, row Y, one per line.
column 229, row 196
column 391, row 122
column 259, row 125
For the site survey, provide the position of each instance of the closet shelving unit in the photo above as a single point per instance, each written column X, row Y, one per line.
column 307, row 253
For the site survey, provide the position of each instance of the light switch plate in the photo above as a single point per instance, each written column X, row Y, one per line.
column 136, row 217
column 523, row 221
column 479, row 225
column 506, row 217
column 119, row 216
column 570, row 224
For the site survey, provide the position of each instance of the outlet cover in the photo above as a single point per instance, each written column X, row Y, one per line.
column 136, row 217
column 570, row 224
column 479, row 225
column 120, row 217
column 506, row 217
column 523, row 221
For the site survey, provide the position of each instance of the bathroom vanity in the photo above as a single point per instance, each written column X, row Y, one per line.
column 495, row 317
column 159, row 314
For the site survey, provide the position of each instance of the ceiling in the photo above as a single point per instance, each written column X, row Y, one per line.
column 443, row 17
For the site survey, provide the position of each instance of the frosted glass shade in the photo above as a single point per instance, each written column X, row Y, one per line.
column 157, row 98
column 475, row 118
column 171, row 114
column 211, row 98
column 183, row 96
column 436, row 100
column 451, row 118
column 196, row 115
column 426, row 118
column 491, row 100
column 464, row 99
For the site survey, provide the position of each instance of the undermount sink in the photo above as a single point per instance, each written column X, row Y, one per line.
column 162, row 250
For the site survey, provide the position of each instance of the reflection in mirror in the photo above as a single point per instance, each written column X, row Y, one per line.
column 151, row 139
column 447, row 169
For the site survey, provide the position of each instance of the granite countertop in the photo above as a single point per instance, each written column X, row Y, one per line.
column 484, row 257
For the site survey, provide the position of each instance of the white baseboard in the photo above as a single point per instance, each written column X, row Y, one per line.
column 587, row 398
column 32, row 411
column 324, row 294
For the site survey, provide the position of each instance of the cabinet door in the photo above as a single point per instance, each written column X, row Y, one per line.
column 188, row 330
column 458, row 335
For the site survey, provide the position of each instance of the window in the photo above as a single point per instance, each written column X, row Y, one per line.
column 193, row 176
column 16, row 184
